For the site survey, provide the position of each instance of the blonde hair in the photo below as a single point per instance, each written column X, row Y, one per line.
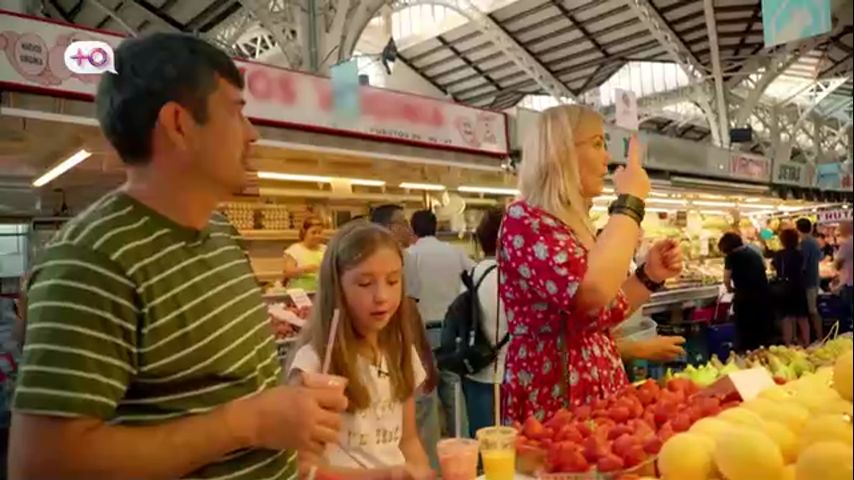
column 351, row 245
column 309, row 222
column 549, row 175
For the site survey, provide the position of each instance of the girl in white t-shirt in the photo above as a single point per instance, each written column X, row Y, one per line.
column 362, row 276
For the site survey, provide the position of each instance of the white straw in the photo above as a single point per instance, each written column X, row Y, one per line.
column 330, row 343
column 327, row 359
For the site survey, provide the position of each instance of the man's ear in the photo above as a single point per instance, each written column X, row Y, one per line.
column 175, row 122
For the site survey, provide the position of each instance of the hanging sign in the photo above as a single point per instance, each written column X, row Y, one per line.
column 32, row 58
column 626, row 109
column 785, row 21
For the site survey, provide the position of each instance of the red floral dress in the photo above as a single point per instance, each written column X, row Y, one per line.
column 541, row 266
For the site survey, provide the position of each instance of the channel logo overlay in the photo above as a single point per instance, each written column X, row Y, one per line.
column 90, row 57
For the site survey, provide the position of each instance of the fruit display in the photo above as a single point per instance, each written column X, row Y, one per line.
column 615, row 436
column 783, row 363
column 801, row 430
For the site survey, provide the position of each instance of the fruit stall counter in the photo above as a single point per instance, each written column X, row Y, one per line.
column 682, row 298
column 798, row 429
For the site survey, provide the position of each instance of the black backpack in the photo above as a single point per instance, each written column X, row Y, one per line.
column 464, row 348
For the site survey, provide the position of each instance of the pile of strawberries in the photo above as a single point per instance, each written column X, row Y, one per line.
column 617, row 434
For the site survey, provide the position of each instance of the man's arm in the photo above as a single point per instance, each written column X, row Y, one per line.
column 43, row 447
column 425, row 352
column 79, row 360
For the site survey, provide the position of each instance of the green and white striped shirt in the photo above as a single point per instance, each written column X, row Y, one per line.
column 134, row 319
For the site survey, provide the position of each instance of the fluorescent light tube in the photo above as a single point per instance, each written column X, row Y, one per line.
column 62, row 167
column 668, row 201
column 422, row 186
column 294, row 177
column 704, row 203
column 489, row 190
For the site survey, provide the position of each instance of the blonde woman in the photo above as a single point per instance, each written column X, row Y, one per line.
column 563, row 288
column 302, row 259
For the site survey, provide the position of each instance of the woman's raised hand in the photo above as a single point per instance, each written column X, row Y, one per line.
column 632, row 179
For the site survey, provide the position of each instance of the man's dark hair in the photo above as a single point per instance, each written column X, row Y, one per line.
column 487, row 230
column 152, row 71
column 804, row 226
column 383, row 214
column 729, row 242
column 424, row 223
column 789, row 239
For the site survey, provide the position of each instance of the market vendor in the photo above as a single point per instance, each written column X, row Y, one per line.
column 302, row 259
column 563, row 288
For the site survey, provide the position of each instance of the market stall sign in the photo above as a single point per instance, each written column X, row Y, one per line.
column 34, row 61
column 833, row 176
column 750, row 167
column 834, row 216
column 792, row 173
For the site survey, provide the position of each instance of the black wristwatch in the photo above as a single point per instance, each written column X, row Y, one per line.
column 647, row 282
column 628, row 205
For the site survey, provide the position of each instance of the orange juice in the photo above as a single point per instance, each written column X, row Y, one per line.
column 499, row 464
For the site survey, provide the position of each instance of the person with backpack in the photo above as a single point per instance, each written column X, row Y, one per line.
column 484, row 312
column 438, row 266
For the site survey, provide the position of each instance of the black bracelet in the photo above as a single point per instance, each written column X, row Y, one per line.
column 628, row 205
column 647, row 282
column 631, row 213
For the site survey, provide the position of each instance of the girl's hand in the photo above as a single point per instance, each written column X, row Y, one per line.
column 632, row 179
column 407, row 472
column 664, row 261
column 417, row 472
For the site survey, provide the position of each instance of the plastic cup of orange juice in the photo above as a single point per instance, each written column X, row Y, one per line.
column 498, row 452
column 457, row 458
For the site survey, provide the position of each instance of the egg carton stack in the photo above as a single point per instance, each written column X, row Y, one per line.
column 241, row 214
column 298, row 214
column 275, row 217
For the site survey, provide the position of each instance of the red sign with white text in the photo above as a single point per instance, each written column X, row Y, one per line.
column 31, row 58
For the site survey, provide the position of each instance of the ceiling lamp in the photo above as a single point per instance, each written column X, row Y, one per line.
column 62, row 167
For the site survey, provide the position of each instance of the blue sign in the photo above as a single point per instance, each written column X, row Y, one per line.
column 829, row 176
column 785, row 21
column 345, row 90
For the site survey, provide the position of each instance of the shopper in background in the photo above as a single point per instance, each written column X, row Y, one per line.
column 302, row 259
column 362, row 277
column 812, row 257
column 791, row 296
column 845, row 265
column 564, row 289
column 148, row 351
column 479, row 388
column 439, row 265
column 393, row 218
column 744, row 276
column 826, row 247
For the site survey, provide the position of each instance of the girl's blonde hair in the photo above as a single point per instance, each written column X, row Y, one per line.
column 309, row 222
column 549, row 175
column 351, row 245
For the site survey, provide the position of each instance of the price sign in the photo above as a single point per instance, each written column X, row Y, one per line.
column 299, row 297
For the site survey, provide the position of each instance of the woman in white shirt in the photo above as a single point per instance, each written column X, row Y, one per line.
column 478, row 388
column 302, row 259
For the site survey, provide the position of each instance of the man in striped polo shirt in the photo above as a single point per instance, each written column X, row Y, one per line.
column 148, row 351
